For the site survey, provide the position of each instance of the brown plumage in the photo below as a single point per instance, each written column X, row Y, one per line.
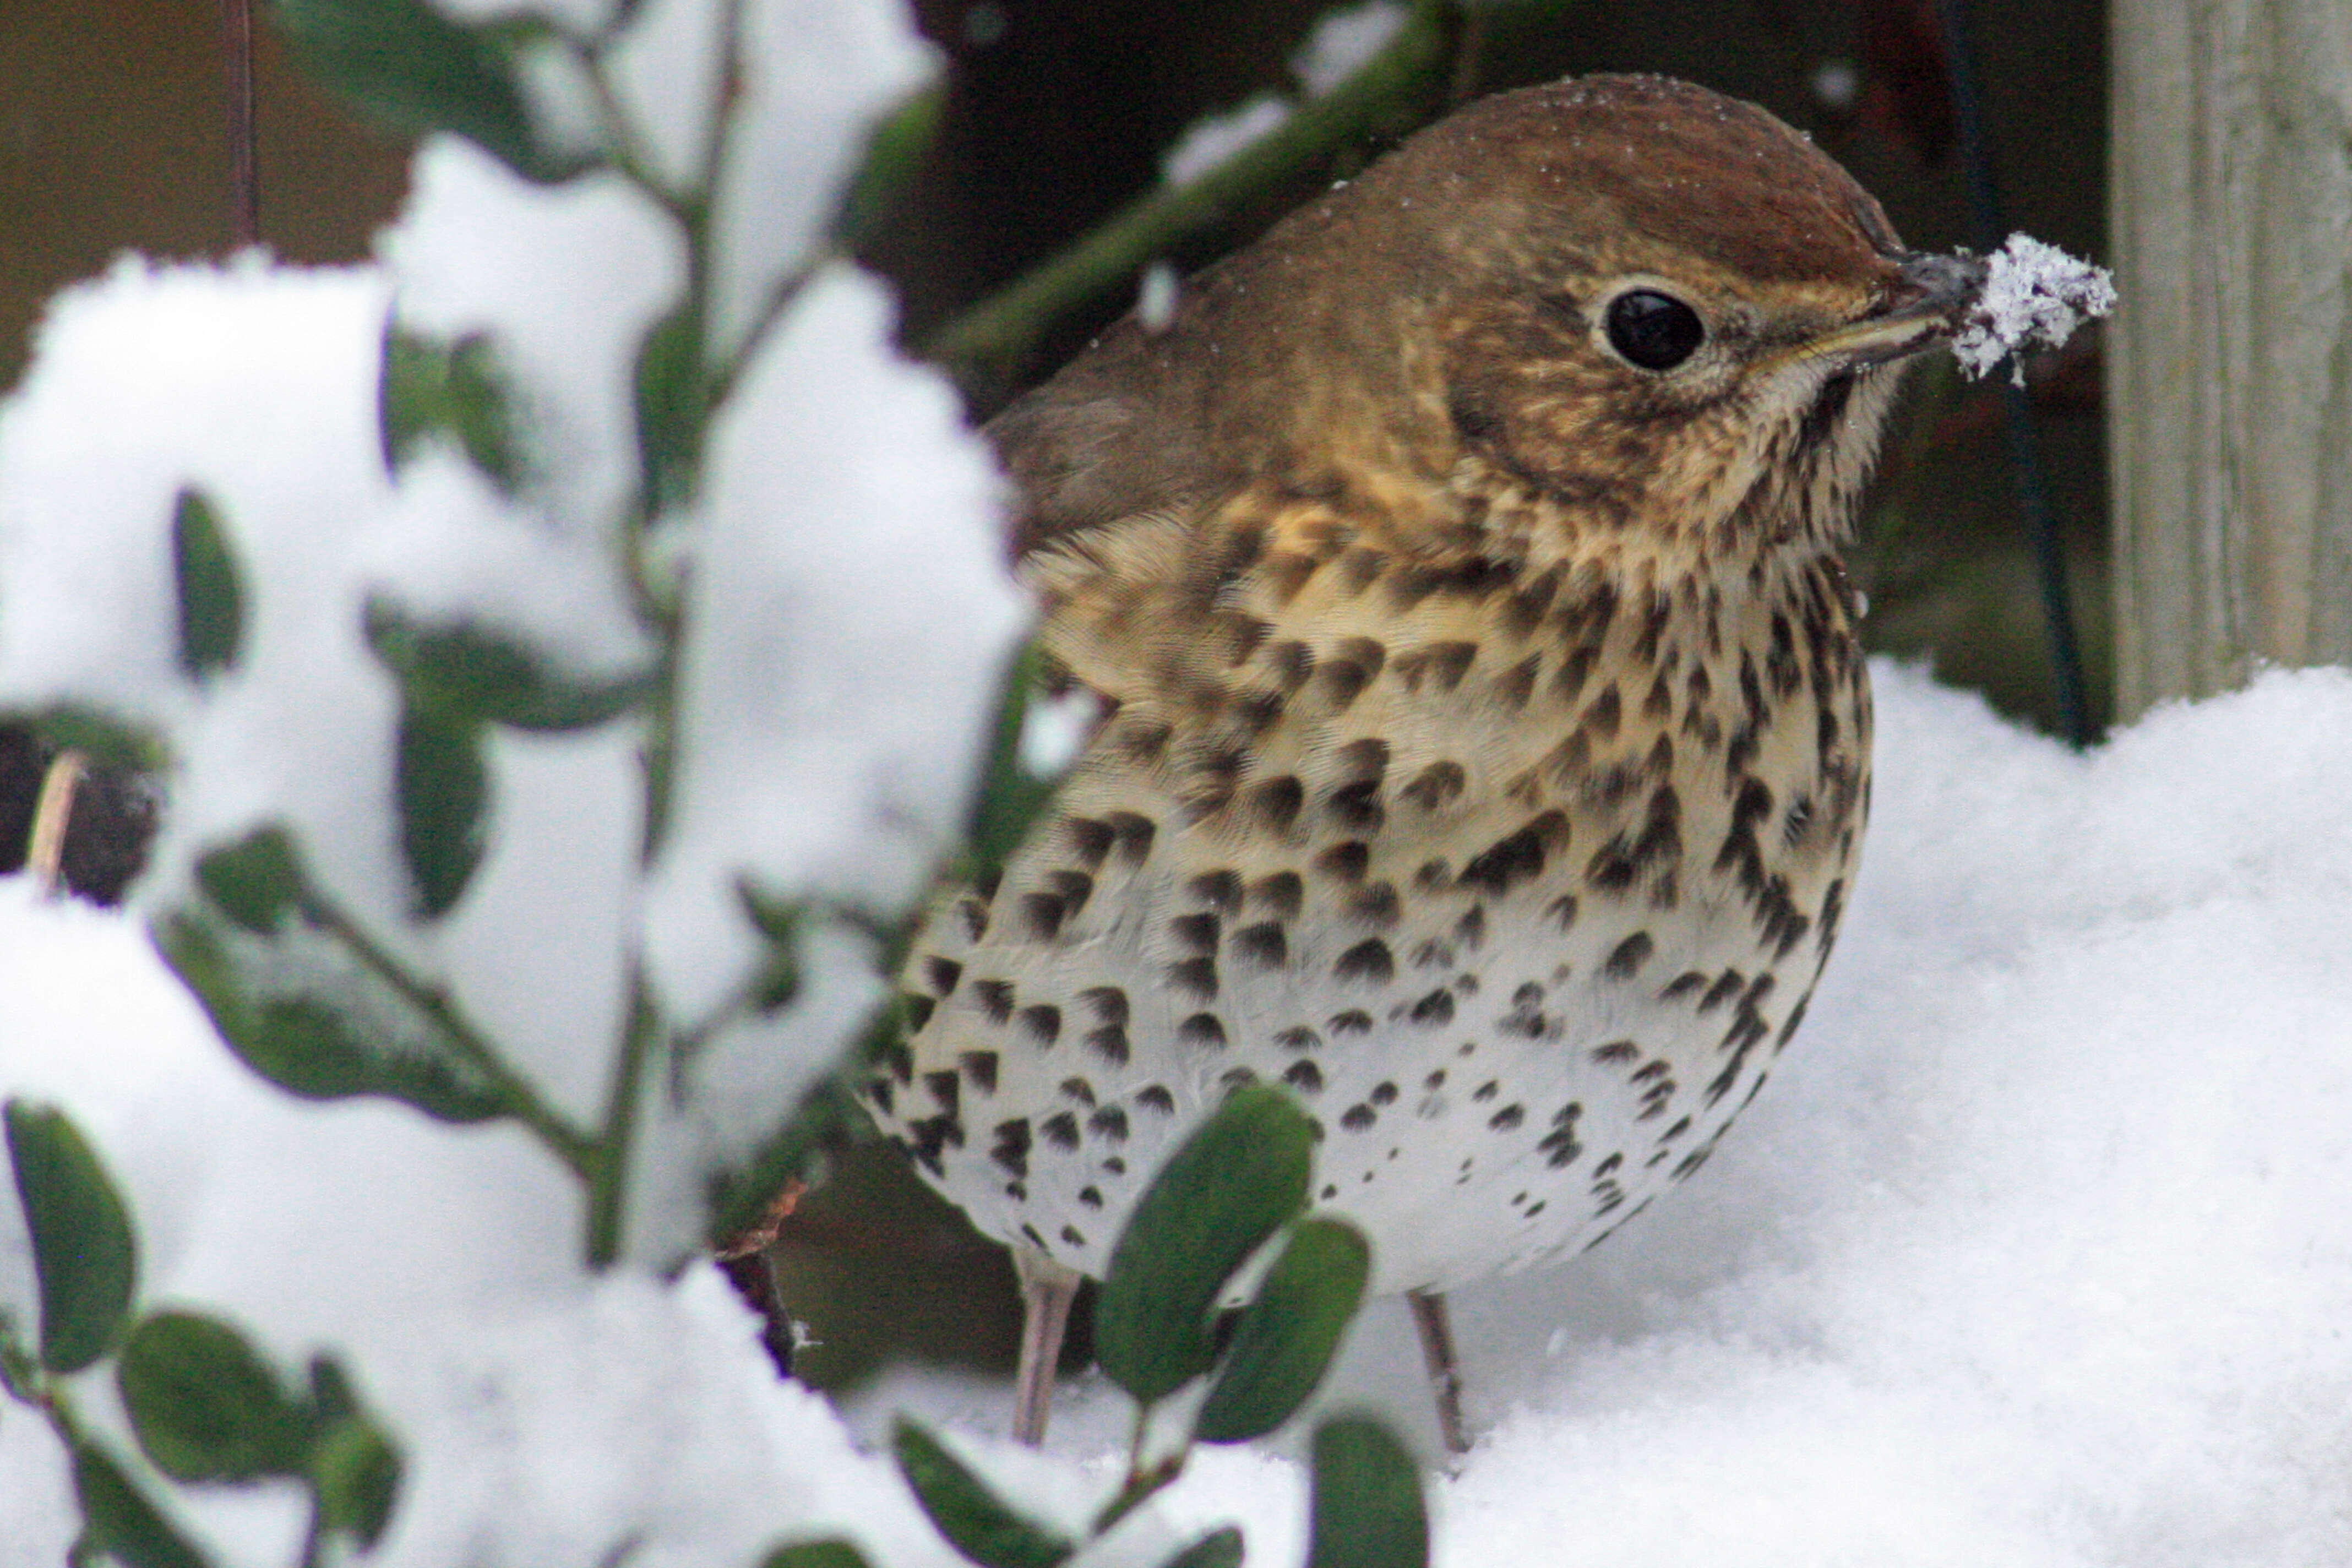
column 1487, row 745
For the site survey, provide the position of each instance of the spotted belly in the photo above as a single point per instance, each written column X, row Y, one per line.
column 1523, row 975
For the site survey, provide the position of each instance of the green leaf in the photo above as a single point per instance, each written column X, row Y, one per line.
column 204, row 1405
column 118, row 1520
column 304, row 1043
column 1367, row 1510
column 816, row 1554
column 426, row 388
column 1235, row 1181
column 412, row 70
column 443, row 788
column 212, row 601
column 355, row 1472
column 468, row 674
column 355, row 1475
column 256, row 882
column 1219, row 1549
column 965, row 1511
column 82, row 1250
column 1288, row 1332
column 19, row 1369
column 893, row 151
column 673, row 391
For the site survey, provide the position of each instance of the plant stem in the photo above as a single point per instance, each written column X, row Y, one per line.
column 994, row 339
column 520, row 1100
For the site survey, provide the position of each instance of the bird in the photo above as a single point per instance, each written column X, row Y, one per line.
column 1482, row 735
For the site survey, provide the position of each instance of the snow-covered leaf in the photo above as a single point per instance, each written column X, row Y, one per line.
column 413, row 70
column 975, row 1520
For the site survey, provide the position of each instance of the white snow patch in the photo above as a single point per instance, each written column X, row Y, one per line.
column 1342, row 41
column 2034, row 294
column 1214, row 138
column 2028, row 1255
column 837, row 676
column 1155, row 299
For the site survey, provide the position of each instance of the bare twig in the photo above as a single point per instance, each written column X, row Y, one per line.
column 243, row 176
column 45, row 858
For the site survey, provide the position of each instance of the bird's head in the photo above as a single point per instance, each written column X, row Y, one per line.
column 1659, row 312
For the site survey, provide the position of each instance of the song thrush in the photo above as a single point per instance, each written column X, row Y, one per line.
column 1485, row 741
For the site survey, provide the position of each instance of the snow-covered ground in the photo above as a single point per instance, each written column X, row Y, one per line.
column 2033, row 1253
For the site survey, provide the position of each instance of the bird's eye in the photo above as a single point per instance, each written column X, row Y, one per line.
column 1654, row 331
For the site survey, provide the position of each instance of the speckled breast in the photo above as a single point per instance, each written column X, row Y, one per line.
column 1520, row 878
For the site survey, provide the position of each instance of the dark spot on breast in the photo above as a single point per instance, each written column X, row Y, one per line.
column 1375, row 906
column 1384, row 1093
column 1079, row 1090
column 1262, row 944
column 1221, row 890
column 1060, row 1130
column 1524, row 610
column 1354, row 1021
column 974, row 916
column 1470, row 930
column 1091, row 1198
column 1197, row 976
column 1233, row 1078
column 1726, row 985
column 1304, row 1075
column 1357, row 806
column 1011, row 1150
column 1298, row 1037
column 1518, row 858
column 1043, row 1024
column 1089, row 840
column 1109, row 1042
column 1568, row 682
column 1508, row 1119
column 1133, row 834
column 1282, row 893
column 1628, row 956
column 1201, row 1029
column 995, row 998
column 942, row 973
column 881, row 1093
column 1344, row 862
column 981, row 1068
column 1516, row 687
column 1435, row 876
column 1276, row 803
column 1109, row 1124
column 1196, row 932
column 1042, row 914
column 1291, row 663
column 1438, row 785
column 1436, row 1008
column 919, row 1009
column 1603, row 713
column 1359, row 1117
column 1367, row 960
column 1486, row 1091
column 1474, row 417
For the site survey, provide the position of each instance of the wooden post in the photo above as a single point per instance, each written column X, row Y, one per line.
column 2229, row 359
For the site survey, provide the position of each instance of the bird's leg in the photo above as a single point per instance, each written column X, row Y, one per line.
column 1444, row 1373
column 1046, row 1290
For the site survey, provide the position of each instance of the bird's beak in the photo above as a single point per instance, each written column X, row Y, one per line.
column 1923, row 307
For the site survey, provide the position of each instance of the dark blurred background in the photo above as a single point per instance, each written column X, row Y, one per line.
column 1058, row 113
